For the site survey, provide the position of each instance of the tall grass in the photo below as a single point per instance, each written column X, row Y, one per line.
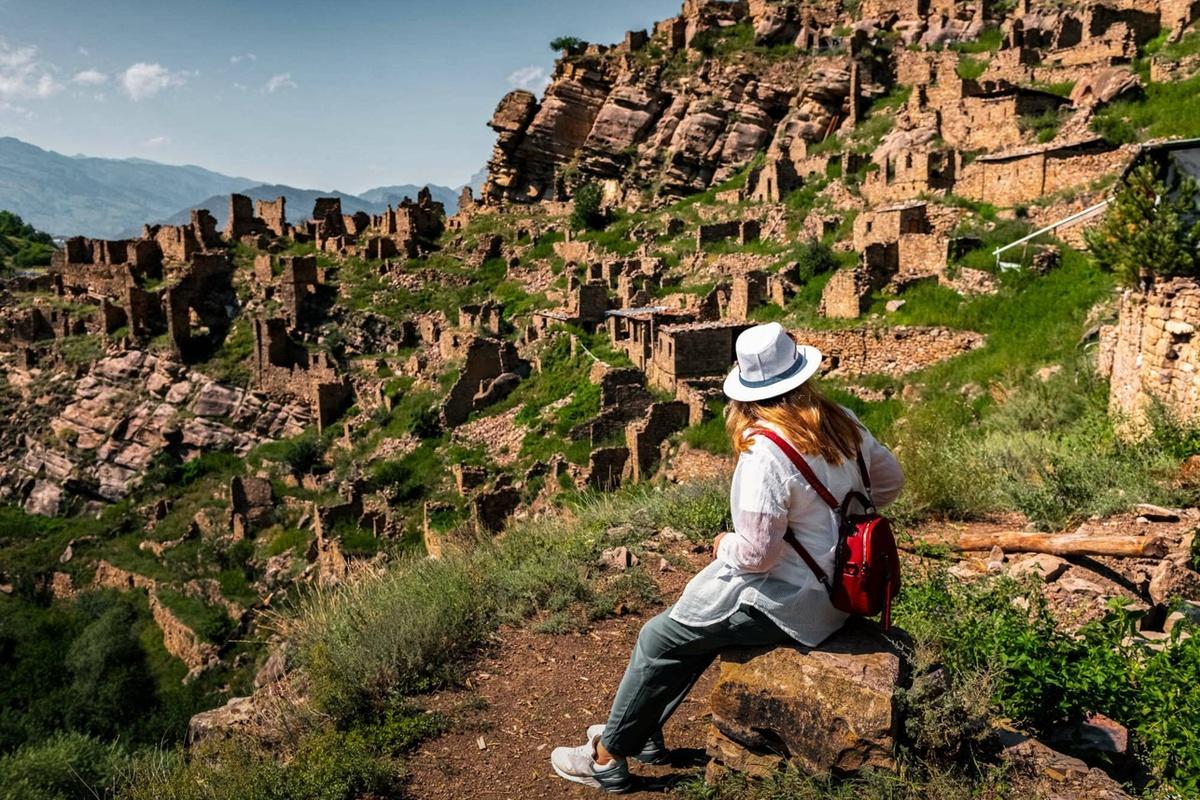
column 368, row 641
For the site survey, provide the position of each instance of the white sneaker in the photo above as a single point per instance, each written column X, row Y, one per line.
column 653, row 752
column 578, row 764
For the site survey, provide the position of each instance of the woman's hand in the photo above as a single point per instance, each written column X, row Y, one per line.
column 717, row 542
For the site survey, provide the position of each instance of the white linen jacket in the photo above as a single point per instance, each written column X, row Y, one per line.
column 754, row 566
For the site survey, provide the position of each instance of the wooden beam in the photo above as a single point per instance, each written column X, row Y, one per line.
column 1058, row 544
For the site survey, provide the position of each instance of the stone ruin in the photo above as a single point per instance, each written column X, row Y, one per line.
column 284, row 368
column 411, row 229
column 250, row 220
column 1149, row 355
column 491, row 370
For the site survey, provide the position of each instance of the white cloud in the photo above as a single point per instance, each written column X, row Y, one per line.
column 157, row 141
column 89, row 77
column 243, row 57
column 278, row 83
column 142, row 81
column 531, row 78
column 23, row 76
column 241, row 87
column 11, row 108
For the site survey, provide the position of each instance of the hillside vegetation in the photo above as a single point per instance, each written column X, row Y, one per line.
column 287, row 483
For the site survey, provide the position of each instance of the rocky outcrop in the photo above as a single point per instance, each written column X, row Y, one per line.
column 97, row 435
column 828, row 709
column 608, row 115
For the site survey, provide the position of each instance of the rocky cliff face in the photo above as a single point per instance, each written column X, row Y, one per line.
column 670, row 109
column 672, row 112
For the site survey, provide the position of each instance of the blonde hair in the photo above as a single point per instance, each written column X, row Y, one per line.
column 812, row 423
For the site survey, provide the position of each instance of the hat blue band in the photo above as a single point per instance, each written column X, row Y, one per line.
column 783, row 376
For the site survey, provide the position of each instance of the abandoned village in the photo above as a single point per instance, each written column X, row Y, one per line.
column 223, row 423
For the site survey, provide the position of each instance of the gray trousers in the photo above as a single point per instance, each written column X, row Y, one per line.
column 667, row 661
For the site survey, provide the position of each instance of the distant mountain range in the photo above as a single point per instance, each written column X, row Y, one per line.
column 112, row 198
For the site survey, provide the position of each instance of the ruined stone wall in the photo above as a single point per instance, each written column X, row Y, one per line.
column 887, row 351
column 923, row 253
column 282, row 367
column 747, row 293
column 1024, row 178
column 842, row 296
column 273, row 213
column 645, row 437
column 1005, row 182
column 1152, row 355
column 908, row 175
column 887, row 225
column 1070, row 171
column 692, row 351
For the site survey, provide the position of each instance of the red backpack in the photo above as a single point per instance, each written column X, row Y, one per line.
column 866, row 569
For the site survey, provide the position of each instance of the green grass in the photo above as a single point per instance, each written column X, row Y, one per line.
column 210, row 624
column 971, row 69
column 1167, row 110
column 710, row 435
column 408, row 630
column 1046, row 449
column 989, row 41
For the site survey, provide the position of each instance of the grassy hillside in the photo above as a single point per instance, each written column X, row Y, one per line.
column 21, row 245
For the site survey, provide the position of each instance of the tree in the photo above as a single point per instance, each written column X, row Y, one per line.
column 814, row 259
column 568, row 44
column 587, row 213
column 1148, row 229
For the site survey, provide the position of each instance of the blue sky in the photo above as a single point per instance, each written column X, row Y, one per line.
column 326, row 95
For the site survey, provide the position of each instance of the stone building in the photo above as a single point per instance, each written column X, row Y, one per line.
column 888, row 224
column 1027, row 174
column 1152, row 355
column 910, row 174
column 285, row 368
column 696, row 350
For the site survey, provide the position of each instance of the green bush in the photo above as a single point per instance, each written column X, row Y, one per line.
column 568, row 44
column 300, row 454
column 67, row 766
column 1041, row 675
column 327, row 765
column 586, row 210
column 814, row 258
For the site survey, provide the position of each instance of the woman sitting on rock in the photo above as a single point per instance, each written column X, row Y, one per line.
column 758, row 590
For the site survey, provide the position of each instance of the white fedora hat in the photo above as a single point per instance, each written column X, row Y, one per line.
column 769, row 364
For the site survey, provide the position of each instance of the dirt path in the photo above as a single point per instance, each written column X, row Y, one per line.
column 532, row 692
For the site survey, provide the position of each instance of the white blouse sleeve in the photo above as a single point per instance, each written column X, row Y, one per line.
column 887, row 478
column 759, row 503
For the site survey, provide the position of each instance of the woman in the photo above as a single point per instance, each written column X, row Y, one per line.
column 757, row 591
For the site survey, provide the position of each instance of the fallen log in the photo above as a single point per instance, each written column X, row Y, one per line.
column 1056, row 544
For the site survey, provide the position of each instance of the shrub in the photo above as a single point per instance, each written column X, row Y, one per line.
column 1145, row 229
column 326, row 765
column 568, row 44
column 67, row 766
column 586, row 212
column 400, row 632
column 300, row 453
column 1041, row 675
column 814, row 258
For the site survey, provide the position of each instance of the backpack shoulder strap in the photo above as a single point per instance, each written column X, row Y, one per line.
column 800, row 464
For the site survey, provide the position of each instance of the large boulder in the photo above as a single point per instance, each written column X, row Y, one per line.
column 827, row 709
